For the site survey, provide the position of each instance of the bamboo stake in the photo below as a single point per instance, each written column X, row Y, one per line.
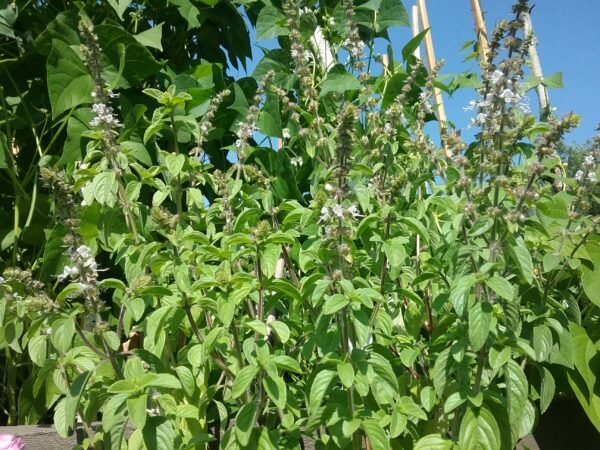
column 480, row 30
column 536, row 68
column 417, row 54
column 415, row 29
column 430, row 57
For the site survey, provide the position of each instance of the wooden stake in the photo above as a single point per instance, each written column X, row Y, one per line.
column 536, row 68
column 415, row 29
column 430, row 57
column 480, row 31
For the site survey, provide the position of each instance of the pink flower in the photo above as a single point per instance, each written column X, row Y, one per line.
column 11, row 442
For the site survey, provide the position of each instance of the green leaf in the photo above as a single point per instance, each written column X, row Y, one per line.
column 480, row 319
column 548, row 388
column 433, row 442
column 516, row 390
column 376, row 435
column 37, row 347
column 340, row 81
column 521, row 255
column 391, row 14
column 441, row 367
column 5, row 158
column 460, row 292
column 188, row 382
column 113, row 283
column 584, row 378
column 161, row 380
column 281, row 330
column 62, row 333
column 413, row 44
column 243, row 380
column 159, row 433
column 287, row 363
column 428, row 398
column 479, row 430
column 334, row 303
column 346, row 374
column 553, row 81
column 75, row 143
column 542, row 342
column 8, row 18
column 61, row 423
column 275, row 387
column 453, row 401
column 383, row 368
column 244, row 422
column 591, row 284
column 501, row 287
column 318, row 389
column 270, row 24
column 395, row 252
column 69, row 83
column 152, row 37
column 72, row 400
column 175, row 163
column 407, row 406
column 137, row 409
column 105, row 187
column 120, row 6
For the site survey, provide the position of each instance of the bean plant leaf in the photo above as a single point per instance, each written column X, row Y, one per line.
column 269, row 24
column 69, row 83
column 152, row 37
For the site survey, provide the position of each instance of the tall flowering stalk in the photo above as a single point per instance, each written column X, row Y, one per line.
column 105, row 119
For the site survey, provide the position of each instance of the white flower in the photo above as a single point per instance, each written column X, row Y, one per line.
column 297, row 161
column 592, row 177
column 354, row 212
column 338, row 211
column 579, row 175
column 329, row 187
column 286, row 133
column 472, row 105
column 387, row 128
column 84, row 251
column 331, row 21
column 294, row 53
column 589, row 161
column 2, row 280
column 68, row 272
column 496, row 76
column 509, row 96
column 325, row 214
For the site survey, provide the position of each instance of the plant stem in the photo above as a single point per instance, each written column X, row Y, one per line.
column 178, row 193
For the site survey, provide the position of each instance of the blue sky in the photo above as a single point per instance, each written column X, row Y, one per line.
column 569, row 40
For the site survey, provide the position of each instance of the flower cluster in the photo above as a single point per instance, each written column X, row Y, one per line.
column 589, row 170
column 247, row 128
column 502, row 92
column 205, row 126
column 83, row 269
column 301, row 56
column 353, row 43
column 104, row 116
column 339, row 212
column 22, row 287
